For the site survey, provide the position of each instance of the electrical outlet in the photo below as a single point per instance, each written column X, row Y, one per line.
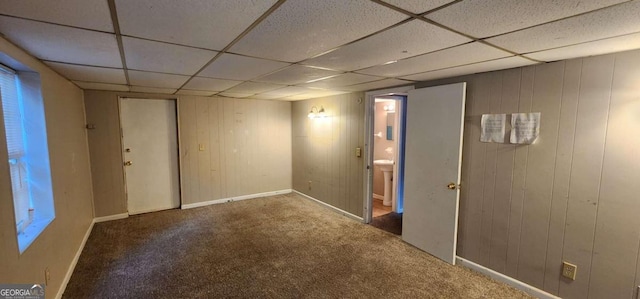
column 47, row 276
column 569, row 270
column 358, row 152
column 201, row 147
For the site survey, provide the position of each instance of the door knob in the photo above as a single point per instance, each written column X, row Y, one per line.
column 128, row 163
column 453, row 186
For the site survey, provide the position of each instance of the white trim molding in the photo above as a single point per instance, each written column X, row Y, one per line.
column 234, row 198
column 531, row 290
column 378, row 196
column 338, row 210
column 74, row 262
column 111, row 217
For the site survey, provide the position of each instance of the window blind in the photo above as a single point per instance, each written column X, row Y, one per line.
column 15, row 144
column 12, row 114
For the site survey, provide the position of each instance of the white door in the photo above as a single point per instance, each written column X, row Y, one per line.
column 150, row 144
column 433, row 155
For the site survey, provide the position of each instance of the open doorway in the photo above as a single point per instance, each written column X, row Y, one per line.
column 385, row 133
column 426, row 169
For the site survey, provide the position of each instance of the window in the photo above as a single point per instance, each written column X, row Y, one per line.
column 28, row 156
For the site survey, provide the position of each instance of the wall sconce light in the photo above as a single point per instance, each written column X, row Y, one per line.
column 390, row 108
column 315, row 113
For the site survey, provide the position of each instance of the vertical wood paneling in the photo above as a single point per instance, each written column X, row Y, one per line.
column 584, row 188
column 204, row 156
column 547, row 96
column 504, row 175
column 519, row 177
column 336, row 173
column 214, row 149
column 477, row 151
column 562, row 173
column 491, row 155
column 617, row 221
column 240, row 156
column 107, row 176
column 189, row 150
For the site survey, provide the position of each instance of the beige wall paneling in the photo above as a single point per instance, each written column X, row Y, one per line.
column 547, row 96
column 473, row 198
column 188, row 150
column 617, row 230
column 519, row 177
column 491, row 155
column 57, row 245
column 504, row 175
column 562, row 173
column 324, row 151
column 104, row 141
column 238, row 158
column 591, row 125
column 203, row 150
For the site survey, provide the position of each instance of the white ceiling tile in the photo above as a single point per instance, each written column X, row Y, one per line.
column 63, row 44
column 236, row 67
column 200, row 83
column 609, row 45
column 296, row 74
column 95, row 13
column 263, row 96
column 487, row 66
column 200, row 23
column 287, row 91
column 165, row 58
column 254, row 87
column 314, row 94
column 89, row 73
column 376, row 85
column 464, row 54
column 101, row 86
column 614, row 21
column 188, row 92
column 409, row 39
column 156, row 79
column 418, row 6
column 152, row 89
column 300, row 29
column 343, row 80
column 235, row 94
column 489, row 18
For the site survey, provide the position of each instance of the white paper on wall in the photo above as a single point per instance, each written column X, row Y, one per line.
column 525, row 127
column 493, row 128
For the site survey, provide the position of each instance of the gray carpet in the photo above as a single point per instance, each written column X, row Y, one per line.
column 276, row 247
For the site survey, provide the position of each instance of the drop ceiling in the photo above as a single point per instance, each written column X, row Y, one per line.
column 298, row 49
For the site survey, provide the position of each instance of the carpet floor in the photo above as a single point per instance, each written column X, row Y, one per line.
column 391, row 222
column 276, row 247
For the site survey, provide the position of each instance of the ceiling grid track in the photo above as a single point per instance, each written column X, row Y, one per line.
column 116, row 29
column 234, row 41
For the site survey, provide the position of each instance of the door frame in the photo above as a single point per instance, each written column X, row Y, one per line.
column 122, row 149
column 369, row 114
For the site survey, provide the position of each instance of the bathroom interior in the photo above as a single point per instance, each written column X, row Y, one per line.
column 386, row 202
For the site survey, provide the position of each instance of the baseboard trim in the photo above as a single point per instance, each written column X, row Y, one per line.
column 338, row 210
column 74, row 262
column 235, row 198
column 378, row 196
column 111, row 217
column 531, row 290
